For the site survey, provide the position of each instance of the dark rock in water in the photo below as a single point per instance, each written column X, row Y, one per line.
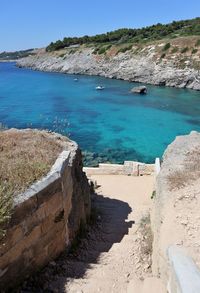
column 139, row 90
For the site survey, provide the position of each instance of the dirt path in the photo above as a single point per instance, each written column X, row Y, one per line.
column 125, row 201
column 110, row 258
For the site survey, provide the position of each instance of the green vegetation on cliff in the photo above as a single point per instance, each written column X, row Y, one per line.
column 150, row 33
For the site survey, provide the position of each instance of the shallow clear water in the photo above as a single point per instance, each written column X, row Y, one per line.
column 111, row 125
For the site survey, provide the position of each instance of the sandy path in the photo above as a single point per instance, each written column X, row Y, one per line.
column 122, row 200
column 108, row 260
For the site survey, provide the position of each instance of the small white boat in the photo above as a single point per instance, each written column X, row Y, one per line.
column 100, row 87
column 75, row 79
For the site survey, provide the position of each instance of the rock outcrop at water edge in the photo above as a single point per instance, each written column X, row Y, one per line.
column 145, row 66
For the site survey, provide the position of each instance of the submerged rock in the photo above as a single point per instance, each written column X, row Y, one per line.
column 114, row 156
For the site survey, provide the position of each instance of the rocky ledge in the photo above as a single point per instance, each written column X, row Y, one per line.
column 145, row 66
column 176, row 219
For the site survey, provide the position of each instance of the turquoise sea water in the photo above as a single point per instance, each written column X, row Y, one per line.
column 111, row 125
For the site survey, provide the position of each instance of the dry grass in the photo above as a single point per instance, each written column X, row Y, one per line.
column 147, row 236
column 24, row 158
column 145, row 243
column 5, row 207
column 190, row 171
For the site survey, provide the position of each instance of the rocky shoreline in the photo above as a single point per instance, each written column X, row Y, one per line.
column 144, row 67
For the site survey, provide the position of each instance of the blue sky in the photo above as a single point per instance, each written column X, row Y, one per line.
column 35, row 23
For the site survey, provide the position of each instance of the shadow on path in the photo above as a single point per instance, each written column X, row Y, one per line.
column 110, row 227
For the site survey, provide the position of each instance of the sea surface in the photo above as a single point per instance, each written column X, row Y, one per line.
column 111, row 125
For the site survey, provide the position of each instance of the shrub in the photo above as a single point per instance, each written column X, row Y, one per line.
column 108, row 47
column 194, row 51
column 197, row 43
column 162, row 56
column 124, row 49
column 174, row 50
column 151, row 33
column 166, row 47
column 184, row 50
column 102, row 50
column 153, row 194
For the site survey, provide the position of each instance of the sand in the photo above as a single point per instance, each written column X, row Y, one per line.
column 124, row 200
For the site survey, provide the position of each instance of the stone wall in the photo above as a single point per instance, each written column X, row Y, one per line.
column 128, row 168
column 45, row 219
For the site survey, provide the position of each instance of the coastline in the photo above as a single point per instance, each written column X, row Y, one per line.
column 124, row 66
column 5, row 61
column 113, row 149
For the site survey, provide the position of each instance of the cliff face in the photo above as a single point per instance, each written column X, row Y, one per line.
column 176, row 219
column 147, row 64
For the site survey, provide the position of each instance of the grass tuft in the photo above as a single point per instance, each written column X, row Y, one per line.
column 166, row 47
column 146, row 245
column 184, row 50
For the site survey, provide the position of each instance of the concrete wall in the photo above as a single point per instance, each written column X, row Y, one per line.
column 45, row 219
column 128, row 168
column 184, row 276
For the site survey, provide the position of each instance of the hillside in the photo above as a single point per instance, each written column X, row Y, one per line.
column 170, row 62
column 134, row 36
column 159, row 54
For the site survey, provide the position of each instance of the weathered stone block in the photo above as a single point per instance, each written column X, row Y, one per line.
column 54, row 204
column 16, row 271
column 16, row 251
column 23, row 210
column 128, row 168
column 146, row 169
column 52, row 188
column 57, row 245
column 13, row 236
column 45, row 239
column 51, row 221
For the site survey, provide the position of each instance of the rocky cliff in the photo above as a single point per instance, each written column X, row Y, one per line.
column 176, row 219
column 175, row 64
